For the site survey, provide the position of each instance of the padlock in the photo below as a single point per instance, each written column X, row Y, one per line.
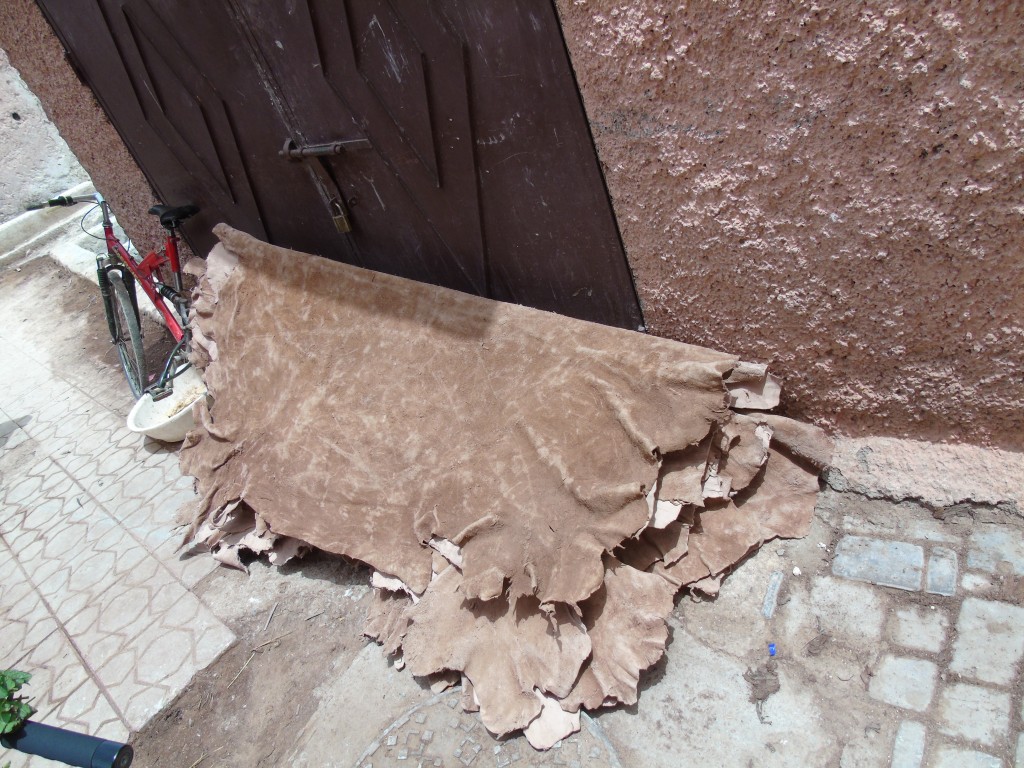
column 340, row 217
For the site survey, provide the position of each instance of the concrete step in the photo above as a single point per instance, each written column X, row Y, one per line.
column 34, row 230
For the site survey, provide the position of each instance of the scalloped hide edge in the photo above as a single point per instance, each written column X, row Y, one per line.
column 484, row 459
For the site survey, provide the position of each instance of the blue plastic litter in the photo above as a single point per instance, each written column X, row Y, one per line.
column 771, row 649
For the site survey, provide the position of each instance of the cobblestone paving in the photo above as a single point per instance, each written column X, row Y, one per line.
column 94, row 601
column 898, row 639
column 439, row 733
column 957, row 656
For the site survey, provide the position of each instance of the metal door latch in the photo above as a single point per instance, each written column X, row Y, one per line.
column 293, row 151
column 325, row 183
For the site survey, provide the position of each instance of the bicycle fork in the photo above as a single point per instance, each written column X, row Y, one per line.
column 103, row 267
column 108, row 304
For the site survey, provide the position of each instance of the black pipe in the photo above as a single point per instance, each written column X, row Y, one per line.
column 68, row 747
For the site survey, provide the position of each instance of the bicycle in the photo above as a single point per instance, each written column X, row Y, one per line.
column 118, row 272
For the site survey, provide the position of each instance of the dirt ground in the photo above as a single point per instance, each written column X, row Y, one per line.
column 79, row 301
column 249, row 707
column 83, row 328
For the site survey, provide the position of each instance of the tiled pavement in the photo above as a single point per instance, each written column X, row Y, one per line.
column 923, row 618
column 954, row 658
column 94, row 600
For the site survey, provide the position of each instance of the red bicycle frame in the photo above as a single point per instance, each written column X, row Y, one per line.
column 114, row 272
column 145, row 271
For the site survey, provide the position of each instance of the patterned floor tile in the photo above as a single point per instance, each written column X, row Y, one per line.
column 12, row 430
column 18, row 760
column 28, row 393
column 94, row 597
column 158, row 663
column 88, row 710
column 189, row 568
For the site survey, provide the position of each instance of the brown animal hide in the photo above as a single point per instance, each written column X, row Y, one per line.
column 485, row 459
column 506, row 649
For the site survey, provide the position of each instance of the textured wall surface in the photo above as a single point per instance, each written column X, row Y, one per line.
column 38, row 56
column 35, row 163
column 836, row 191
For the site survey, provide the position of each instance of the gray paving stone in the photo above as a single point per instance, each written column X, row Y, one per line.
column 852, row 613
column 908, row 748
column 942, row 572
column 1019, row 758
column 857, row 524
column 990, row 640
column 950, row 757
column 867, row 749
column 974, row 713
column 992, row 545
column 920, row 628
column 929, row 530
column 978, row 583
column 771, row 595
column 904, row 682
column 886, row 563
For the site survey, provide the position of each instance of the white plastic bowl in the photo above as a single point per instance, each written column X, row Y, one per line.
column 169, row 419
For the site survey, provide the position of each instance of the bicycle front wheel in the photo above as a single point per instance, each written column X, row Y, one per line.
column 128, row 335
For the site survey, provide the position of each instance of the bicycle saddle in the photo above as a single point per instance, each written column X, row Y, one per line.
column 171, row 216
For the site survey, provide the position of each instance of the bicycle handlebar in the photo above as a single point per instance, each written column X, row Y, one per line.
column 66, row 200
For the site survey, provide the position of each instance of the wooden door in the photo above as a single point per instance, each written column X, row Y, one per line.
column 469, row 160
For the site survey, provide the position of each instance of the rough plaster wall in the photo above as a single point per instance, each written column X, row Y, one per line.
column 836, row 192
column 35, row 162
column 38, row 56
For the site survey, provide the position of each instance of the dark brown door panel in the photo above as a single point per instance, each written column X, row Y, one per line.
column 472, row 164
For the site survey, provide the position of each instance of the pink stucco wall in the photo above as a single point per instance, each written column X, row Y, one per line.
column 37, row 54
column 834, row 189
